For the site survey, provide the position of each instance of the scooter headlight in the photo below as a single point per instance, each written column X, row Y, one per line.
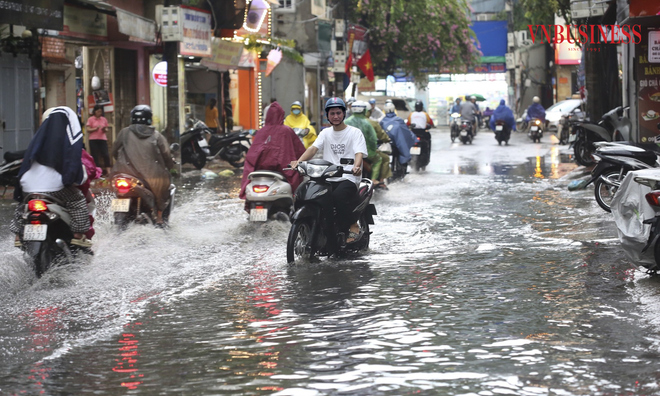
column 315, row 170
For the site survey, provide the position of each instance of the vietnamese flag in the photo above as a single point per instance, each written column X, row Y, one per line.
column 349, row 64
column 366, row 66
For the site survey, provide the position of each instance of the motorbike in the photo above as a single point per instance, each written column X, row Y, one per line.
column 502, row 132
column 454, row 128
column 47, row 234
column 134, row 202
column 268, row 195
column 399, row 170
column 10, row 167
column 465, row 134
column 535, row 130
column 196, row 150
column 421, row 151
column 614, row 161
column 612, row 127
column 313, row 229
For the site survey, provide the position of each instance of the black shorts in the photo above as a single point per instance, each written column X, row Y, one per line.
column 98, row 149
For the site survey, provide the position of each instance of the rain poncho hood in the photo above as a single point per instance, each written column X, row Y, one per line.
column 362, row 123
column 504, row 113
column 58, row 144
column 273, row 148
column 536, row 110
column 398, row 131
column 299, row 121
column 143, row 152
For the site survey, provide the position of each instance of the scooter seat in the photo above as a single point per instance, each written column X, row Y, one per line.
column 11, row 156
column 266, row 173
column 647, row 157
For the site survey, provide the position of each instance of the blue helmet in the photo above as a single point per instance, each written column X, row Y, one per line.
column 335, row 102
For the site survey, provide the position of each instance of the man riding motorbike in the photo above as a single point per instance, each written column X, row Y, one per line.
column 298, row 119
column 376, row 114
column 141, row 151
column 536, row 110
column 456, row 108
column 342, row 145
column 469, row 112
column 503, row 113
column 419, row 121
column 398, row 131
column 52, row 165
column 273, row 148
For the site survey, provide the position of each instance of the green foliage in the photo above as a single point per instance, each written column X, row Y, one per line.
column 540, row 12
column 260, row 44
column 417, row 36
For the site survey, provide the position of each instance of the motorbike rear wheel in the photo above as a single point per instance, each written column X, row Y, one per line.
column 41, row 256
column 583, row 153
column 196, row 158
column 298, row 244
column 605, row 192
column 238, row 161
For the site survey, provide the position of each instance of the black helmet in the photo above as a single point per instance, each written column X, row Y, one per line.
column 141, row 114
column 419, row 106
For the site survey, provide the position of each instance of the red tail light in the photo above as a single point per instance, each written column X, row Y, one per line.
column 260, row 189
column 653, row 198
column 37, row 205
column 122, row 186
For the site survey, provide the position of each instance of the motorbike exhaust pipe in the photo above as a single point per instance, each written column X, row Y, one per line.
column 65, row 248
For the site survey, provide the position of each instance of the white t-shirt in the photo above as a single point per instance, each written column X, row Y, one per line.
column 42, row 178
column 336, row 145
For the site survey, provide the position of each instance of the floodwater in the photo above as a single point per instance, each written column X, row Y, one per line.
column 485, row 276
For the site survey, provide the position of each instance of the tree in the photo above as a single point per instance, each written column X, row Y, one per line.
column 417, row 37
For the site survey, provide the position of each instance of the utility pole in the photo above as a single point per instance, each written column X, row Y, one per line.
column 170, row 54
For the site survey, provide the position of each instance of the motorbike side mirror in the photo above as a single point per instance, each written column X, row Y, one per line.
column 174, row 147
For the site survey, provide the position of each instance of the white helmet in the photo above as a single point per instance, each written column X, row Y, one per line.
column 359, row 107
column 389, row 108
column 536, row 99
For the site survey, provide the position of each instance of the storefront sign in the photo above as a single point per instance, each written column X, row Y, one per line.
column 45, row 14
column 196, row 32
column 159, row 73
column 648, row 89
column 654, row 46
column 224, row 55
column 136, row 26
column 84, row 23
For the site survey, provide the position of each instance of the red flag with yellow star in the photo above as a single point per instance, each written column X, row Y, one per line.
column 366, row 66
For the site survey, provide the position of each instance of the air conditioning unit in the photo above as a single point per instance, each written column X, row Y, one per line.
column 483, row 17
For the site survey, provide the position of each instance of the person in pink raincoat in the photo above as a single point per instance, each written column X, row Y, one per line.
column 273, row 148
column 93, row 173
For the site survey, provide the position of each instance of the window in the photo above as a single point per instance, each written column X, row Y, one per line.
column 287, row 6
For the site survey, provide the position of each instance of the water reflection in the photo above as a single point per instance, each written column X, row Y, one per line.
column 127, row 362
column 538, row 167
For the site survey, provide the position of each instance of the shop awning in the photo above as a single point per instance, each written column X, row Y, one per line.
column 136, row 26
column 225, row 55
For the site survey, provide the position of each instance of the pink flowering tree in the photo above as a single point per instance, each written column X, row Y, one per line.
column 417, row 37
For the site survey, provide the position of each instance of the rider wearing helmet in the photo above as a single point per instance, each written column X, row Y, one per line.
column 339, row 144
column 360, row 121
column 420, row 123
column 376, row 113
column 298, row 120
column 536, row 110
column 140, row 150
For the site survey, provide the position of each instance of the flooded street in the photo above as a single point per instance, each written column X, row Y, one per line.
column 485, row 276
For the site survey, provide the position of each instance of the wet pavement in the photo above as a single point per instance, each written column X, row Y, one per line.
column 485, row 276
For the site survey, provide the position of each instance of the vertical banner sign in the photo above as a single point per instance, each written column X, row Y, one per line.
column 196, row 32
column 647, row 62
column 357, row 39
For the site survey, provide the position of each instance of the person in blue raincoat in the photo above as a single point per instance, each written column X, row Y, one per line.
column 504, row 113
column 536, row 110
column 398, row 131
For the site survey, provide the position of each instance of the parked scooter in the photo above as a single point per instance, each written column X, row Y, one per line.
column 466, row 133
column 313, row 229
column 535, row 130
column 614, row 126
column 47, row 233
column 196, row 150
column 454, row 126
column 614, row 162
column 9, row 168
column 268, row 195
column 502, row 132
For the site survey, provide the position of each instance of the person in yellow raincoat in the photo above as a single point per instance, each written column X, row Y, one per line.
column 298, row 120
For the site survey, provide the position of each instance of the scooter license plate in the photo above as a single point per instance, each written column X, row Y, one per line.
column 35, row 232
column 572, row 138
column 415, row 150
column 535, row 128
column 120, row 205
column 203, row 143
column 464, row 133
column 499, row 127
column 258, row 214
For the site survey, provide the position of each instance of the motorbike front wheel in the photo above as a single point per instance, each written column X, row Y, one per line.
column 299, row 243
column 197, row 158
column 604, row 192
column 237, row 160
